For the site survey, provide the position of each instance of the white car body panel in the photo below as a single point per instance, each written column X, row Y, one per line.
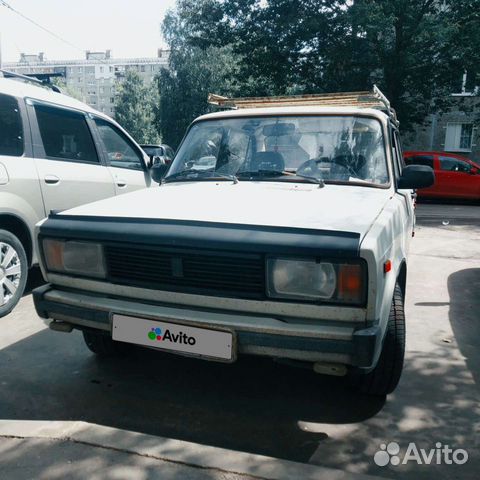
column 298, row 205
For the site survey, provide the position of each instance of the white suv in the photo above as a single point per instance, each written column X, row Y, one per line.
column 281, row 232
column 55, row 153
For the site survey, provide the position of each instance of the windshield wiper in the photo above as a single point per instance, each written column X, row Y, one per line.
column 199, row 174
column 280, row 175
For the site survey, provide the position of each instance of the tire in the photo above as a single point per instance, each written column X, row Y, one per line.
column 13, row 271
column 384, row 378
column 102, row 344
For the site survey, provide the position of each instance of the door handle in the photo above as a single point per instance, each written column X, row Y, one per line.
column 51, row 179
column 121, row 183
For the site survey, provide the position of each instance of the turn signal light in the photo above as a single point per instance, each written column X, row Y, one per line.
column 350, row 285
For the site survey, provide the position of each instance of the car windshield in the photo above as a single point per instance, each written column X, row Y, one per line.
column 336, row 149
column 153, row 151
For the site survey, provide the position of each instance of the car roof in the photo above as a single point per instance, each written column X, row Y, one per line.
column 297, row 110
column 22, row 89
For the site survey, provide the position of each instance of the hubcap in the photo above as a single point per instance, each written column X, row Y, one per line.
column 10, row 272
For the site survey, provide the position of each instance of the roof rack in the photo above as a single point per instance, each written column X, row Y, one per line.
column 366, row 99
column 44, row 83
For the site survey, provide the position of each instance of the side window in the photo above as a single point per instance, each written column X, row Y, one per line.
column 65, row 135
column 120, row 151
column 454, row 165
column 396, row 155
column 426, row 160
column 170, row 153
column 400, row 151
column 11, row 129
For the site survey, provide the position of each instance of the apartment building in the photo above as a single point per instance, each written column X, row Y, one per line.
column 94, row 79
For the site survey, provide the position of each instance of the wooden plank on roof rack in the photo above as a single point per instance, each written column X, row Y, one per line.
column 363, row 99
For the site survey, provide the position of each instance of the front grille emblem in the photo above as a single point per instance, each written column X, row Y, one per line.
column 177, row 267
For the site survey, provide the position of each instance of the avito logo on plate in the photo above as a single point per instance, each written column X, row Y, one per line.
column 155, row 334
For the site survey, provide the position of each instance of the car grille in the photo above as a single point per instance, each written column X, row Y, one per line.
column 207, row 272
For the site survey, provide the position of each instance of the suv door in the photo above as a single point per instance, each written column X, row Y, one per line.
column 68, row 165
column 20, row 192
column 124, row 159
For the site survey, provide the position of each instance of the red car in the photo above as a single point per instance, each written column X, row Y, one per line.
column 455, row 176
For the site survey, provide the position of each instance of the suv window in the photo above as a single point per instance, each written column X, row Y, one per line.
column 454, row 165
column 426, row 160
column 11, row 130
column 65, row 135
column 120, row 151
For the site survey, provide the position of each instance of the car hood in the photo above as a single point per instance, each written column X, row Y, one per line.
column 345, row 208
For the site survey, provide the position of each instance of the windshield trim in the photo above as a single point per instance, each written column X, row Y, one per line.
column 383, row 123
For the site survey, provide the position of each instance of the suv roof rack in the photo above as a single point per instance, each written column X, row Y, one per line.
column 366, row 99
column 32, row 78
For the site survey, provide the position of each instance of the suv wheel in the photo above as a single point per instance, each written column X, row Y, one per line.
column 384, row 378
column 13, row 271
column 102, row 344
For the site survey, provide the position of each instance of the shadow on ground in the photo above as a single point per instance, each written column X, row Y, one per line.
column 253, row 405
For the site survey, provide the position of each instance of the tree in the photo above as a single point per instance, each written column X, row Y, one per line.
column 135, row 105
column 193, row 73
column 415, row 50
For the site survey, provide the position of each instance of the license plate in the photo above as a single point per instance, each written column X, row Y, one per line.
column 215, row 344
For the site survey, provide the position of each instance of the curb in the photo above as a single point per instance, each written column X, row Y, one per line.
column 174, row 451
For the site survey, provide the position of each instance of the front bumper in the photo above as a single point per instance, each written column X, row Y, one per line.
column 258, row 335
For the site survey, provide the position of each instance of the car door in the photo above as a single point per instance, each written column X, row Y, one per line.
column 125, row 160
column 68, row 165
column 457, row 179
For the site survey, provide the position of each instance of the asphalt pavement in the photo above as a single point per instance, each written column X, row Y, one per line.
column 255, row 418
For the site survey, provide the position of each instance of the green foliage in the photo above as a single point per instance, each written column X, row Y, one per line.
column 135, row 108
column 184, row 88
column 67, row 89
column 415, row 50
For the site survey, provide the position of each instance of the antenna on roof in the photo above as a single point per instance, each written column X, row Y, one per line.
column 366, row 99
column 33, row 79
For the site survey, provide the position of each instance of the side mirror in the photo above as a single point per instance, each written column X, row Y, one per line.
column 473, row 171
column 416, row 176
column 158, row 171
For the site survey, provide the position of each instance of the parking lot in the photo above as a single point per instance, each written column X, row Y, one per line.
column 267, row 408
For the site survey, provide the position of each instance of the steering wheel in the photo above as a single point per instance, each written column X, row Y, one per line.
column 311, row 168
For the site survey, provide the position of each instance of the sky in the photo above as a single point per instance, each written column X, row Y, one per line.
column 130, row 28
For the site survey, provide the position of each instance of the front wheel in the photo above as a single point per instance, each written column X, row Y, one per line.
column 384, row 378
column 13, row 271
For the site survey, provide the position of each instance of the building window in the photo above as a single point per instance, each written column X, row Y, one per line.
column 458, row 137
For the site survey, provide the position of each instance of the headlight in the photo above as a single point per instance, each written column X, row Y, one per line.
column 78, row 258
column 307, row 279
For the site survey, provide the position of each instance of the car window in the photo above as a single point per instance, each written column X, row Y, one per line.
column 170, row 152
column 454, row 165
column 426, row 160
column 11, row 130
column 153, row 151
column 330, row 148
column 65, row 134
column 120, row 151
column 397, row 155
